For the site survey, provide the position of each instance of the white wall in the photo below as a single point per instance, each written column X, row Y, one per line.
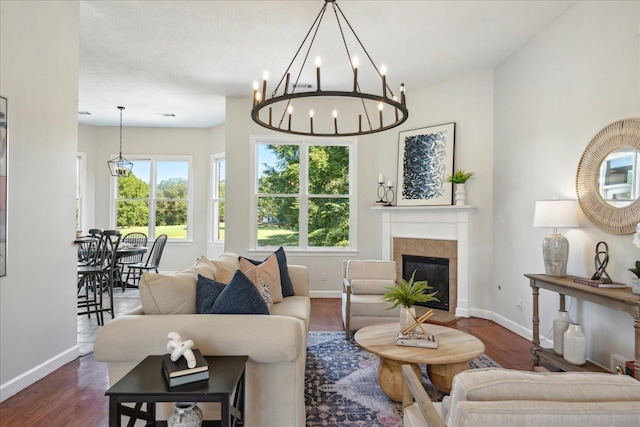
column 39, row 76
column 102, row 144
column 551, row 98
column 467, row 101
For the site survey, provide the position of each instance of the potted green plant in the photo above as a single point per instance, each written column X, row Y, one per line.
column 406, row 294
column 458, row 178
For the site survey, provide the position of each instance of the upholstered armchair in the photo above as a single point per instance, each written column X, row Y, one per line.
column 495, row 397
column 363, row 284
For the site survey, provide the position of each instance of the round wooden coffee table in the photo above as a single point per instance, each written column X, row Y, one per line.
column 455, row 350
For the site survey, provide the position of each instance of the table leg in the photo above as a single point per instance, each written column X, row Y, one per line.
column 390, row 377
column 441, row 376
column 114, row 413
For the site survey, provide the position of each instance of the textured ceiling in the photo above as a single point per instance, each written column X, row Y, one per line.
column 185, row 57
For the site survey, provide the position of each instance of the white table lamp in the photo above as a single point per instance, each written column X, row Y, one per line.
column 555, row 247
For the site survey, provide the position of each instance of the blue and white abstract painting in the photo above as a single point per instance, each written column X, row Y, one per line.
column 425, row 159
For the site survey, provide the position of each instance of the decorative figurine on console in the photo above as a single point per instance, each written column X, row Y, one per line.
column 178, row 348
column 600, row 262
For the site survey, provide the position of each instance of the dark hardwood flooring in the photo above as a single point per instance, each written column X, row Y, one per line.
column 74, row 394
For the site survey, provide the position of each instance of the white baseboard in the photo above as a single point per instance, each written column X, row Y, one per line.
column 36, row 373
column 510, row 325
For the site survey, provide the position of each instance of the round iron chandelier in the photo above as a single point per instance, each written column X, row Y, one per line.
column 370, row 112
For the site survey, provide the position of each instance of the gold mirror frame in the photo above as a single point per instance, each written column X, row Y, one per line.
column 609, row 218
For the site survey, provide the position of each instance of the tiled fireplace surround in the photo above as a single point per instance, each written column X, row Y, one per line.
column 432, row 231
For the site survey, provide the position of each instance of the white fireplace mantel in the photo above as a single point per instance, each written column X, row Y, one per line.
column 431, row 222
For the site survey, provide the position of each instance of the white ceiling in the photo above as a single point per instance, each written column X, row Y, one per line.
column 185, row 57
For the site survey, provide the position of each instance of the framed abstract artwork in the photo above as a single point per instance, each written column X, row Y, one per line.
column 3, row 186
column 425, row 159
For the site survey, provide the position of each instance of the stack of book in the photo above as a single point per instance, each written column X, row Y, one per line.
column 178, row 373
column 598, row 283
column 417, row 339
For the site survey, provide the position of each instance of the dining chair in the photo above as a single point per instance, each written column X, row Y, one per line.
column 134, row 238
column 96, row 276
column 152, row 262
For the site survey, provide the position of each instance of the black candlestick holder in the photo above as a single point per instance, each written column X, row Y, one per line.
column 390, row 195
column 381, row 194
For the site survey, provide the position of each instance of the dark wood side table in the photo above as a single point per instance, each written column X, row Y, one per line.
column 620, row 299
column 146, row 384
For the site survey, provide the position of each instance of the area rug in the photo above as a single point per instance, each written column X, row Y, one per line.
column 341, row 384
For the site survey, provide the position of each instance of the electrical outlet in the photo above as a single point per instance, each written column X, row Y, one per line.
column 323, row 277
column 617, row 362
column 519, row 304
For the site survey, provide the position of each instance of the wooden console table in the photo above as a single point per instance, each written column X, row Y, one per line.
column 620, row 299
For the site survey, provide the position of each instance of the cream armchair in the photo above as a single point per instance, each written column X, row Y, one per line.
column 363, row 284
column 505, row 398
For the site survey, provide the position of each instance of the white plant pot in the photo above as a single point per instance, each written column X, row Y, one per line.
column 560, row 325
column 635, row 285
column 461, row 195
column 575, row 345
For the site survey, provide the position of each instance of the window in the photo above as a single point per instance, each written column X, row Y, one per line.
column 217, row 198
column 81, row 160
column 155, row 198
column 304, row 194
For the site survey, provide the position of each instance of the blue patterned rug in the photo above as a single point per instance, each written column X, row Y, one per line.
column 341, row 385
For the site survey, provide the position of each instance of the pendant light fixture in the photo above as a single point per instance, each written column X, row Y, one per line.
column 120, row 166
column 359, row 109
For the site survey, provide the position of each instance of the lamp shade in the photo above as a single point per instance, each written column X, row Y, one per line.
column 556, row 214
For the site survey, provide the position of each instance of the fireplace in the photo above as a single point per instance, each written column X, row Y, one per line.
column 435, row 271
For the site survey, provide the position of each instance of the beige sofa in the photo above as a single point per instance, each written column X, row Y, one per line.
column 276, row 343
column 505, row 398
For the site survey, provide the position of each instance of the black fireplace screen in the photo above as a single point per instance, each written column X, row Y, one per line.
column 435, row 271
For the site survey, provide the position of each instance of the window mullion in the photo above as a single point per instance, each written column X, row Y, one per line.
column 303, row 194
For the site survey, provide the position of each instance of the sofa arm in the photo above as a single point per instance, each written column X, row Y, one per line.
column 300, row 279
column 264, row 338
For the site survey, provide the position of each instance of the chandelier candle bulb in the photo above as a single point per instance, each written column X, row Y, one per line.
column 318, row 62
column 383, row 72
column 380, row 107
column 359, row 123
column 402, row 98
column 265, row 77
column 290, row 110
column 270, row 114
column 355, row 63
column 255, row 92
column 311, row 120
column 335, row 121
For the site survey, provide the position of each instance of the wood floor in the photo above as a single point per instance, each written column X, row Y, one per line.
column 74, row 394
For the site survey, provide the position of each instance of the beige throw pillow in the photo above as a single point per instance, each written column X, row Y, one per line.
column 268, row 271
column 228, row 260
column 173, row 293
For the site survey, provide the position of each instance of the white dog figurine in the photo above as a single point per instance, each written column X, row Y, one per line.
column 178, row 348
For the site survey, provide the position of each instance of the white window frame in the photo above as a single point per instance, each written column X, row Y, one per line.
column 215, row 198
column 81, row 196
column 303, row 193
column 152, row 194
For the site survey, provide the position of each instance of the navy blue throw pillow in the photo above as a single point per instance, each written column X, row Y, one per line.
column 285, row 279
column 207, row 291
column 240, row 296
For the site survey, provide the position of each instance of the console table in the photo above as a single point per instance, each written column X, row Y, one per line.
column 620, row 299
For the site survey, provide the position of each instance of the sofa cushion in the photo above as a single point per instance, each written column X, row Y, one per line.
column 370, row 269
column 207, row 291
column 173, row 293
column 285, row 279
column 240, row 296
column 267, row 271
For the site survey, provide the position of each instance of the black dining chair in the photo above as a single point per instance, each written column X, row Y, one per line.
column 96, row 276
column 135, row 238
column 152, row 262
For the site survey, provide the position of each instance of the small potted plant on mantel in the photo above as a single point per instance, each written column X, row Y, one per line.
column 458, row 178
column 405, row 295
column 635, row 281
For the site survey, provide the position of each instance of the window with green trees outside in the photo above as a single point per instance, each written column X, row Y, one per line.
column 154, row 198
column 304, row 194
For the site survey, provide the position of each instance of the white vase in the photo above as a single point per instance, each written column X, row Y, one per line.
column 560, row 325
column 635, row 285
column 461, row 195
column 575, row 345
column 405, row 317
column 185, row 414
